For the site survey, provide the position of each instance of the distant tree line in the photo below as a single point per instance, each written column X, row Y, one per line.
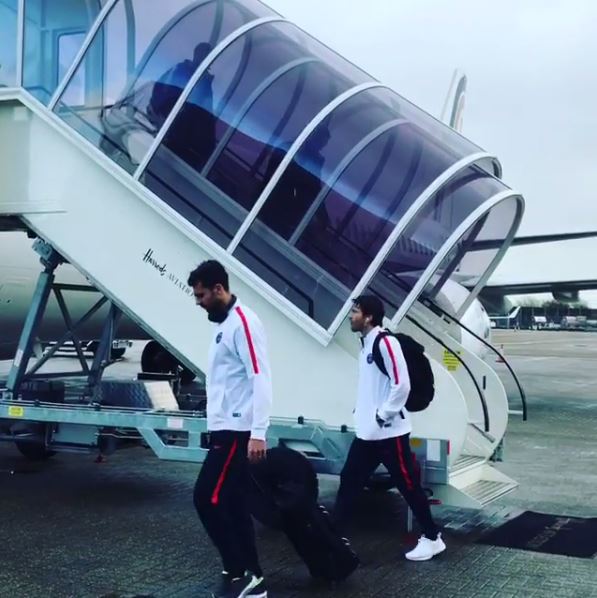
column 552, row 304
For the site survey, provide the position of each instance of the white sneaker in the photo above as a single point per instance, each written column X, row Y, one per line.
column 426, row 549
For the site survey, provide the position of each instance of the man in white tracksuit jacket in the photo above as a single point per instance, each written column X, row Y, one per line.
column 382, row 428
column 239, row 397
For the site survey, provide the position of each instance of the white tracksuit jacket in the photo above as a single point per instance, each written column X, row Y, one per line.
column 239, row 388
column 385, row 394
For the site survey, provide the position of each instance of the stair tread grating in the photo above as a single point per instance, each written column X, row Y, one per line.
column 466, row 461
column 487, row 490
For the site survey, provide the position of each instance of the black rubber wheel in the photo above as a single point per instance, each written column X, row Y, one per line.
column 117, row 353
column 34, row 451
column 186, row 376
column 93, row 346
column 155, row 358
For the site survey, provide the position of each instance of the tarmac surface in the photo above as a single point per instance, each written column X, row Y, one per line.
column 126, row 527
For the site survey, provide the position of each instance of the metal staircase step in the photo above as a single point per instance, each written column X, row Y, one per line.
column 486, row 491
column 466, row 462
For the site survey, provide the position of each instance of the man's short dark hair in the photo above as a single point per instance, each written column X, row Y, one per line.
column 209, row 274
column 372, row 306
column 200, row 52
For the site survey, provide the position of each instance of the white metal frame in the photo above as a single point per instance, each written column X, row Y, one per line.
column 435, row 263
column 131, row 34
column 20, row 42
column 410, row 214
column 257, row 93
column 199, row 71
column 494, row 262
column 99, row 21
column 348, row 159
column 294, row 148
column 9, row 93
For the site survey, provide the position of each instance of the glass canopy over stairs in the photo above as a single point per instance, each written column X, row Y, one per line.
column 319, row 179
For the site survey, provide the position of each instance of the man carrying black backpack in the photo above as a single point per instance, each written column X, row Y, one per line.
column 383, row 426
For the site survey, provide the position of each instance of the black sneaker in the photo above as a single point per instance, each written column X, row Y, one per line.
column 248, row 586
column 224, row 586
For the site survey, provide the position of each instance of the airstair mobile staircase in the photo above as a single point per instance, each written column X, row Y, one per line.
column 219, row 130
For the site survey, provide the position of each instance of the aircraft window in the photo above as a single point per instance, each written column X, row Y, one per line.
column 8, row 42
column 238, row 123
column 428, row 232
column 54, row 33
column 137, row 66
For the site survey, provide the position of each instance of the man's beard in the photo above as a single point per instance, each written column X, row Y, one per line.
column 219, row 312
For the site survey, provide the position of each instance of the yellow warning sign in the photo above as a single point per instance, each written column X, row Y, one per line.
column 14, row 411
column 451, row 361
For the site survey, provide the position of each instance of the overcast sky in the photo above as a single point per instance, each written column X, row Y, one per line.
column 531, row 99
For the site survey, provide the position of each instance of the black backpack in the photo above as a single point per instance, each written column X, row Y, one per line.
column 422, row 382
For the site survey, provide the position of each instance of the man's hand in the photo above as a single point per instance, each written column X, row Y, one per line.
column 380, row 422
column 256, row 450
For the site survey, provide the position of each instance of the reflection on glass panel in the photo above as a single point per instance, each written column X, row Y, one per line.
column 475, row 251
column 350, row 223
column 8, row 42
column 439, row 131
column 297, row 198
column 138, row 65
column 239, row 121
column 277, row 118
column 428, row 232
column 272, row 125
column 54, row 33
column 216, row 105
